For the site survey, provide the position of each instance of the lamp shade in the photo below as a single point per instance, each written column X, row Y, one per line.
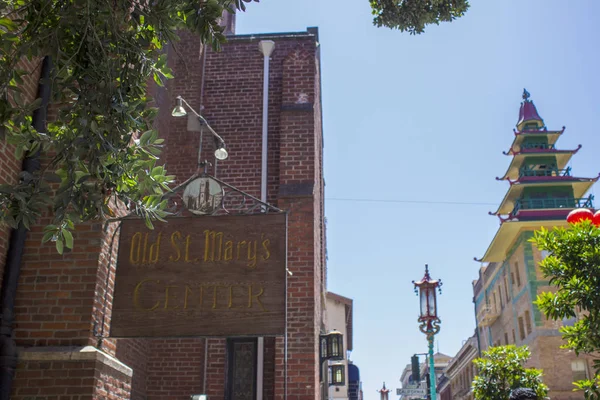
column 179, row 110
column 220, row 153
column 428, row 301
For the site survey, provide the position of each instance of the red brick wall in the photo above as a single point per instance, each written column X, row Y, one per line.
column 58, row 293
column 64, row 379
column 136, row 354
column 175, row 368
column 232, row 104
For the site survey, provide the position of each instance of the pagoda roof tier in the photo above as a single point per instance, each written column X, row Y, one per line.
column 580, row 188
column 509, row 232
column 520, row 136
column 562, row 158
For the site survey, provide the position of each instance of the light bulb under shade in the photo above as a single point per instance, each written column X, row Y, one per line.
column 221, row 154
column 179, row 111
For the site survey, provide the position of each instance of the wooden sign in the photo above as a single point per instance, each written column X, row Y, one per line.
column 201, row 276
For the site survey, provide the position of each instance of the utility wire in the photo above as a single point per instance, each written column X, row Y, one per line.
column 461, row 203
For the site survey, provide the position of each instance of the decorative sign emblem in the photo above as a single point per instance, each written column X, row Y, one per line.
column 201, row 276
column 203, row 195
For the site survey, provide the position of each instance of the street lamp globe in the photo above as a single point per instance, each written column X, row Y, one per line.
column 220, row 153
column 179, row 110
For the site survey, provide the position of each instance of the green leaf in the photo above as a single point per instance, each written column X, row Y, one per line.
column 59, row 246
column 68, row 238
column 8, row 24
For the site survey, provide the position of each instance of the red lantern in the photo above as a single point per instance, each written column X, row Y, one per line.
column 596, row 219
column 580, row 214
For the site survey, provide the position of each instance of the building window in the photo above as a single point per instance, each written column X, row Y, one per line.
column 505, row 338
column 521, row 329
column 506, row 288
column 495, row 302
column 500, row 295
column 514, row 336
column 518, row 275
column 528, row 322
column 579, row 369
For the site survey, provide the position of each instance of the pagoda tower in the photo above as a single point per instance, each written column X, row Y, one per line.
column 542, row 187
column 384, row 393
column 542, row 191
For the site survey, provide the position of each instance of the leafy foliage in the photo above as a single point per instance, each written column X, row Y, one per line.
column 573, row 266
column 414, row 15
column 101, row 149
column 501, row 369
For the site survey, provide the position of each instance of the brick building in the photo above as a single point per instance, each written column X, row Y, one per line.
column 63, row 303
column 542, row 192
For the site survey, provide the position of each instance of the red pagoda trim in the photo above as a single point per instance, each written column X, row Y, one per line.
column 517, row 133
column 533, row 151
column 527, row 111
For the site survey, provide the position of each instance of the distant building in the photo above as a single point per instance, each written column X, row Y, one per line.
column 338, row 316
column 354, row 383
column 542, row 192
column 460, row 372
column 440, row 362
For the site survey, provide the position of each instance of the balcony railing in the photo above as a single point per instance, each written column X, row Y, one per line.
column 545, row 172
column 565, row 202
column 487, row 315
column 537, row 146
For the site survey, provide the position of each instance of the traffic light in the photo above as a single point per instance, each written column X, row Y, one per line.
column 416, row 370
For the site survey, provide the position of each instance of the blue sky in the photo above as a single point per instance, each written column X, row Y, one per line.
column 424, row 119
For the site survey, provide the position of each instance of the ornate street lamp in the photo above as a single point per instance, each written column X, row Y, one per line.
column 332, row 346
column 426, row 290
column 337, row 374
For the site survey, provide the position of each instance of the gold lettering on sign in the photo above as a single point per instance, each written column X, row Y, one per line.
column 213, row 243
column 135, row 249
column 252, row 254
column 136, row 296
column 188, row 291
column 256, row 297
column 221, row 296
column 167, row 296
column 154, row 250
column 266, row 243
column 228, row 254
column 240, row 244
column 140, row 253
column 175, row 236
column 188, row 241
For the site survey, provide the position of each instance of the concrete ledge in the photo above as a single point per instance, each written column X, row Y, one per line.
column 74, row 353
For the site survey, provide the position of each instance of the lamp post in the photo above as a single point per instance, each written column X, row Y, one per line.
column 196, row 124
column 426, row 290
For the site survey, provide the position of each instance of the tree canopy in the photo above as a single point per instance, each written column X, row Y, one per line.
column 501, row 369
column 413, row 15
column 573, row 266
